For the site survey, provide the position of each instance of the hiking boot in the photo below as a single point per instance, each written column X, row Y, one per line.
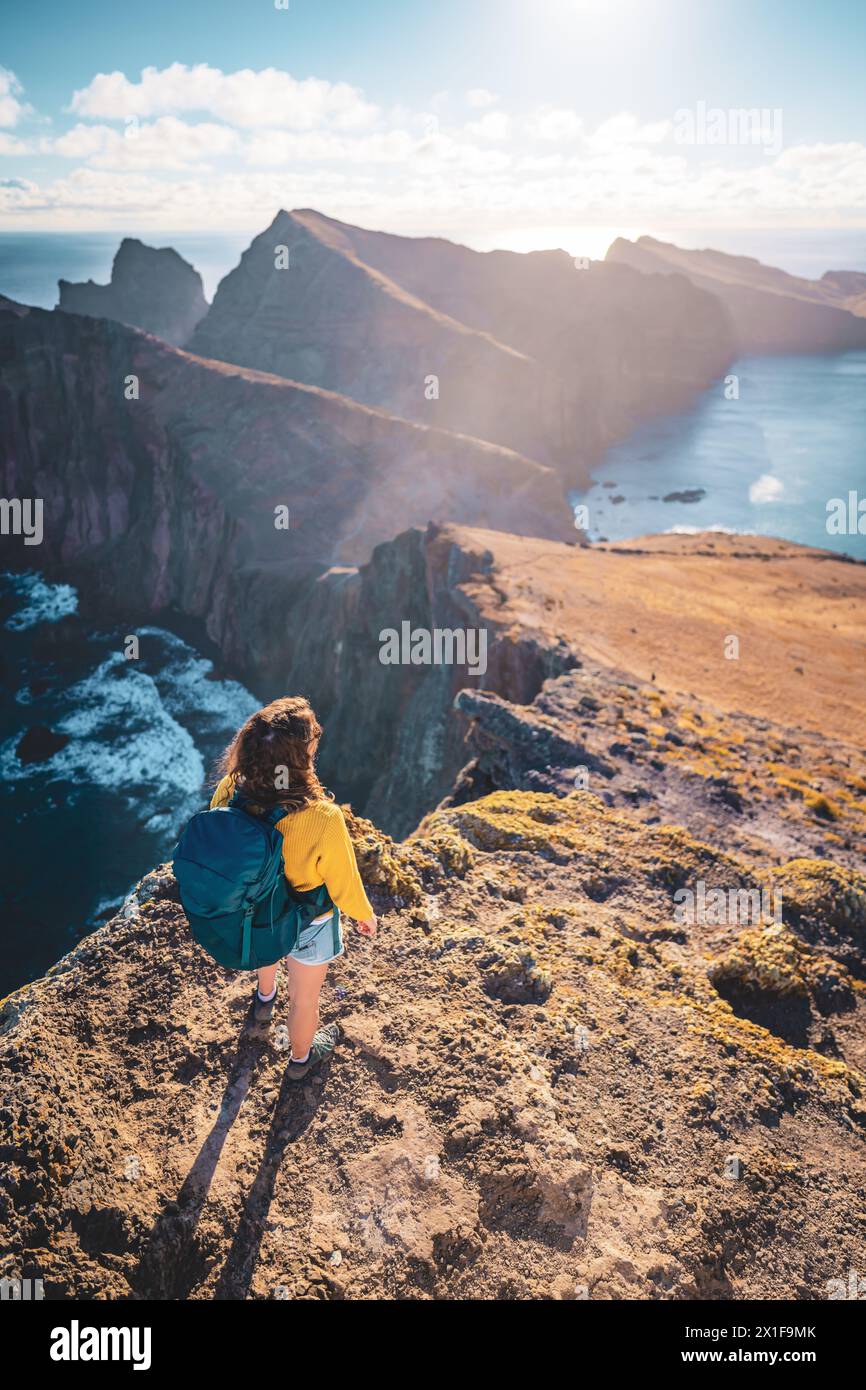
column 262, row 1010
column 322, row 1046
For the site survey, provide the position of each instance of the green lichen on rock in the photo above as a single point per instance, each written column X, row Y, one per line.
column 383, row 864
column 773, row 961
column 516, row 978
column 407, row 872
column 822, row 895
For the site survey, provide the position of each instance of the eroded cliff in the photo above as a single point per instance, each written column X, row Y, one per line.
column 164, row 478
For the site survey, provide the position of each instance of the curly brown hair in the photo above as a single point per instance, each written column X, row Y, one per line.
column 271, row 759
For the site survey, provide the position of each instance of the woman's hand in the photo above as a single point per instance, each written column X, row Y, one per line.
column 368, row 927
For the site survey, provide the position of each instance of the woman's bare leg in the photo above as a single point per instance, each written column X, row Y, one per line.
column 267, row 978
column 305, row 983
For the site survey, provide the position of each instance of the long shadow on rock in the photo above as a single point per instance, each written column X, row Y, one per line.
column 292, row 1114
column 173, row 1262
column 787, row 1018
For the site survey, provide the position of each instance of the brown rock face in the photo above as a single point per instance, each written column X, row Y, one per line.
column 526, row 351
column 168, row 500
column 769, row 310
column 156, row 290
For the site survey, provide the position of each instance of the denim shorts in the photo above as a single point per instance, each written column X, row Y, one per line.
column 321, row 941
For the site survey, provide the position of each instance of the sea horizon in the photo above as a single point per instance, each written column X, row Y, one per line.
column 32, row 262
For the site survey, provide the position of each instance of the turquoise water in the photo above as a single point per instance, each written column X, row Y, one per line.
column 768, row 462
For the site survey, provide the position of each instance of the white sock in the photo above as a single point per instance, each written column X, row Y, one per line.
column 299, row 1060
column 266, row 998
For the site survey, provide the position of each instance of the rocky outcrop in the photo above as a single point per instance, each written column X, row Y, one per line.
column 527, row 351
column 156, row 290
column 547, row 1088
column 584, row 687
column 394, row 744
column 769, row 310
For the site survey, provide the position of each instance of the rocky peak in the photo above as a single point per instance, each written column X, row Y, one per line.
column 153, row 289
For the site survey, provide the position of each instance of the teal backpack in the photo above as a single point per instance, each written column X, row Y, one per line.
column 241, row 907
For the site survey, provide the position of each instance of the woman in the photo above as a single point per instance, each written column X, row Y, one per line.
column 271, row 762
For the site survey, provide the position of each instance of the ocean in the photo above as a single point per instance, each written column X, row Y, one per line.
column 770, row 462
column 134, row 750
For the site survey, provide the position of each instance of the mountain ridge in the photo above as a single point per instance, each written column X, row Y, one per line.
column 555, row 367
column 770, row 310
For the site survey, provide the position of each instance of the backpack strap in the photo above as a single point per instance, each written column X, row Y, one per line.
column 276, row 813
column 247, row 936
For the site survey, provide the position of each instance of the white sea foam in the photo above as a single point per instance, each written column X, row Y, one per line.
column 683, row 530
column 108, row 907
column 135, row 734
column 43, row 602
column 187, row 690
column 767, row 488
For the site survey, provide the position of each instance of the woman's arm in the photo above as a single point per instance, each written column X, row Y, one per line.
column 339, row 869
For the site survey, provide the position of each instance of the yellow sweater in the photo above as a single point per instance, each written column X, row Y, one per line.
column 317, row 849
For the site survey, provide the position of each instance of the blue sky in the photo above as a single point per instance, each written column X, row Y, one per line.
column 504, row 119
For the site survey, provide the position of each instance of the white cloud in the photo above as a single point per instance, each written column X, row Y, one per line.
column 626, row 129
column 166, row 143
column 269, row 98
column 554, row 123
column 14, row 145
column 494, row 125
column 415, row 169
column 822, row 156
column 276, row 147
column 11, row 109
